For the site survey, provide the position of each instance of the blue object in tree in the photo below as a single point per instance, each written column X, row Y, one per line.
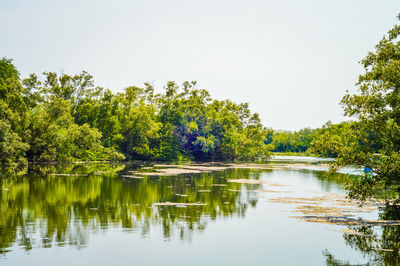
column 367, row 169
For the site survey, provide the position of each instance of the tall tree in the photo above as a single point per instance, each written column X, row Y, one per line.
column 12, row 115
column 376, row 108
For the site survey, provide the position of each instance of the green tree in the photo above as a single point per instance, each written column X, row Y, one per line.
column 52, row 132
column 290, row 141
column 12, row 115
column 376, row 107
column 333, row 139
column 138, row 124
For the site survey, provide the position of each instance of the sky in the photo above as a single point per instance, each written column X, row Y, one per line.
column 291, row 60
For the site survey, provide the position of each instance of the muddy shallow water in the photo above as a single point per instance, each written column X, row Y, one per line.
column 286, row 212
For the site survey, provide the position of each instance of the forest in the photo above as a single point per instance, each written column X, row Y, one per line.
column 61, row 118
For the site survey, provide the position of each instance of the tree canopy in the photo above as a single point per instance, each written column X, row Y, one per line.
column 66, row 117
column 373, row 139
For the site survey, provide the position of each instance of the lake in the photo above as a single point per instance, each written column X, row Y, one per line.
column 285, row 212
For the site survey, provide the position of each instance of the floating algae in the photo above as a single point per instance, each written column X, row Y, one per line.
column 290, row 200
column 276, row 185
column 178, row 204
column 171, row 169
column 352, row 232
column 247, row 181
column 168, row 172
column 133, row 176
column 323, row 210
column 346, row 220
column 275, row 191
column 333, row 208
column 56, row 174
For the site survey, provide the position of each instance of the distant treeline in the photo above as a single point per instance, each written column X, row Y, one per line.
column 66, row 118
column 312, row 141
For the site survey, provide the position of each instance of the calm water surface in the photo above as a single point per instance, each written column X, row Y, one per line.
column 93, row 215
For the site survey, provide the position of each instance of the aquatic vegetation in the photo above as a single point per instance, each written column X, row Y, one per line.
column 333, row 208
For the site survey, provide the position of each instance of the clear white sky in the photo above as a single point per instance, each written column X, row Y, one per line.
column 292, row 60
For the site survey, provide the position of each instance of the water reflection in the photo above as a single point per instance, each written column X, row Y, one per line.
column 52, row 206
column 378, row 245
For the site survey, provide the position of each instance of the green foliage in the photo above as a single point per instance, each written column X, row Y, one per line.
column 332, row 139
column 287, row 141
column 206, row 129
column 12, row 149
column 12, row 115
column 66, row 117
column 374, row 139
column 51, row 130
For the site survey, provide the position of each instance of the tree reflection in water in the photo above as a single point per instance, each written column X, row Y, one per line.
column 378, row 244
column 40, row 209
